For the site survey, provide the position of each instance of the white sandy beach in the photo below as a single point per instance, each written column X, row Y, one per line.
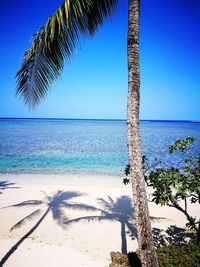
column 61, row 239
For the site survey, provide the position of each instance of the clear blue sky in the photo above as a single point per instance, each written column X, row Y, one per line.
column 95, row 84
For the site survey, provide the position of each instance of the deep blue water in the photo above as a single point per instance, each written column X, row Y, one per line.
column 60, row 146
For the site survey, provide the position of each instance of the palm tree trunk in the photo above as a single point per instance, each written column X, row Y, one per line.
column 145, row 239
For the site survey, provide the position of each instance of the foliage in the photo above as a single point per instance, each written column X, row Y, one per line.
column 56, row 41
column 126, row 179
column 187, row 255
column 181, row 144
column 171, row 185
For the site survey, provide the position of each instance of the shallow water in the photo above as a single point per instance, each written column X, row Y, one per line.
column 94, row 146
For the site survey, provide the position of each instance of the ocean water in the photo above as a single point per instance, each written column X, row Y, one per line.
column 74, row 146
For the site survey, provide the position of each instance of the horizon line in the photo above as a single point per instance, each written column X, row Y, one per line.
column 91, row 119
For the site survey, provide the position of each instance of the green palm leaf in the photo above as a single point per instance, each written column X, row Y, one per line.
column 56, row 41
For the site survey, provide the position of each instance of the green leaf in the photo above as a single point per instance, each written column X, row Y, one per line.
column 57, row 41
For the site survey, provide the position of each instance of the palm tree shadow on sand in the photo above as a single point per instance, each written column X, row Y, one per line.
column 55, row 205
column 120, row 210
column 4, row 185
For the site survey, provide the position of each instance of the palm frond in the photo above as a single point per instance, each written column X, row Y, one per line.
column 85, row 218
column 60, row 197
column 132, row 229
column 25, row 219
column 26, row 203
column 6, row 185
column 59, row 215
column 56, row 41
column 157, row 219
column 79, row 206
column 107, row 204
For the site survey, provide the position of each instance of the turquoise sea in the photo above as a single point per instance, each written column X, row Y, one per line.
column 73, row 146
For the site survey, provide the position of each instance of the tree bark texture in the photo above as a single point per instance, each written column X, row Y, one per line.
column 142, row 219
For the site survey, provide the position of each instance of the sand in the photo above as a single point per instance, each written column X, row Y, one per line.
column 83, row 224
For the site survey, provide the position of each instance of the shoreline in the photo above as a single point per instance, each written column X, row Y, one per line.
column 64, row 237
column 80, row 180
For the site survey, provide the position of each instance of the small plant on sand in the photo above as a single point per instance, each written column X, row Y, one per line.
column 175, row 184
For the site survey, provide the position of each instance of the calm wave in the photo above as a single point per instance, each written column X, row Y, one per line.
column 60, row 146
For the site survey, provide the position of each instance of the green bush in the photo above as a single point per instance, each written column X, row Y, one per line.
column 184, row 256
column 173, row 186
column 187, row 255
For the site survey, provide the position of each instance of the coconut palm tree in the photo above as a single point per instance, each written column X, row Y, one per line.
column 143, row 224
column 57, row 40
column 53, row 204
